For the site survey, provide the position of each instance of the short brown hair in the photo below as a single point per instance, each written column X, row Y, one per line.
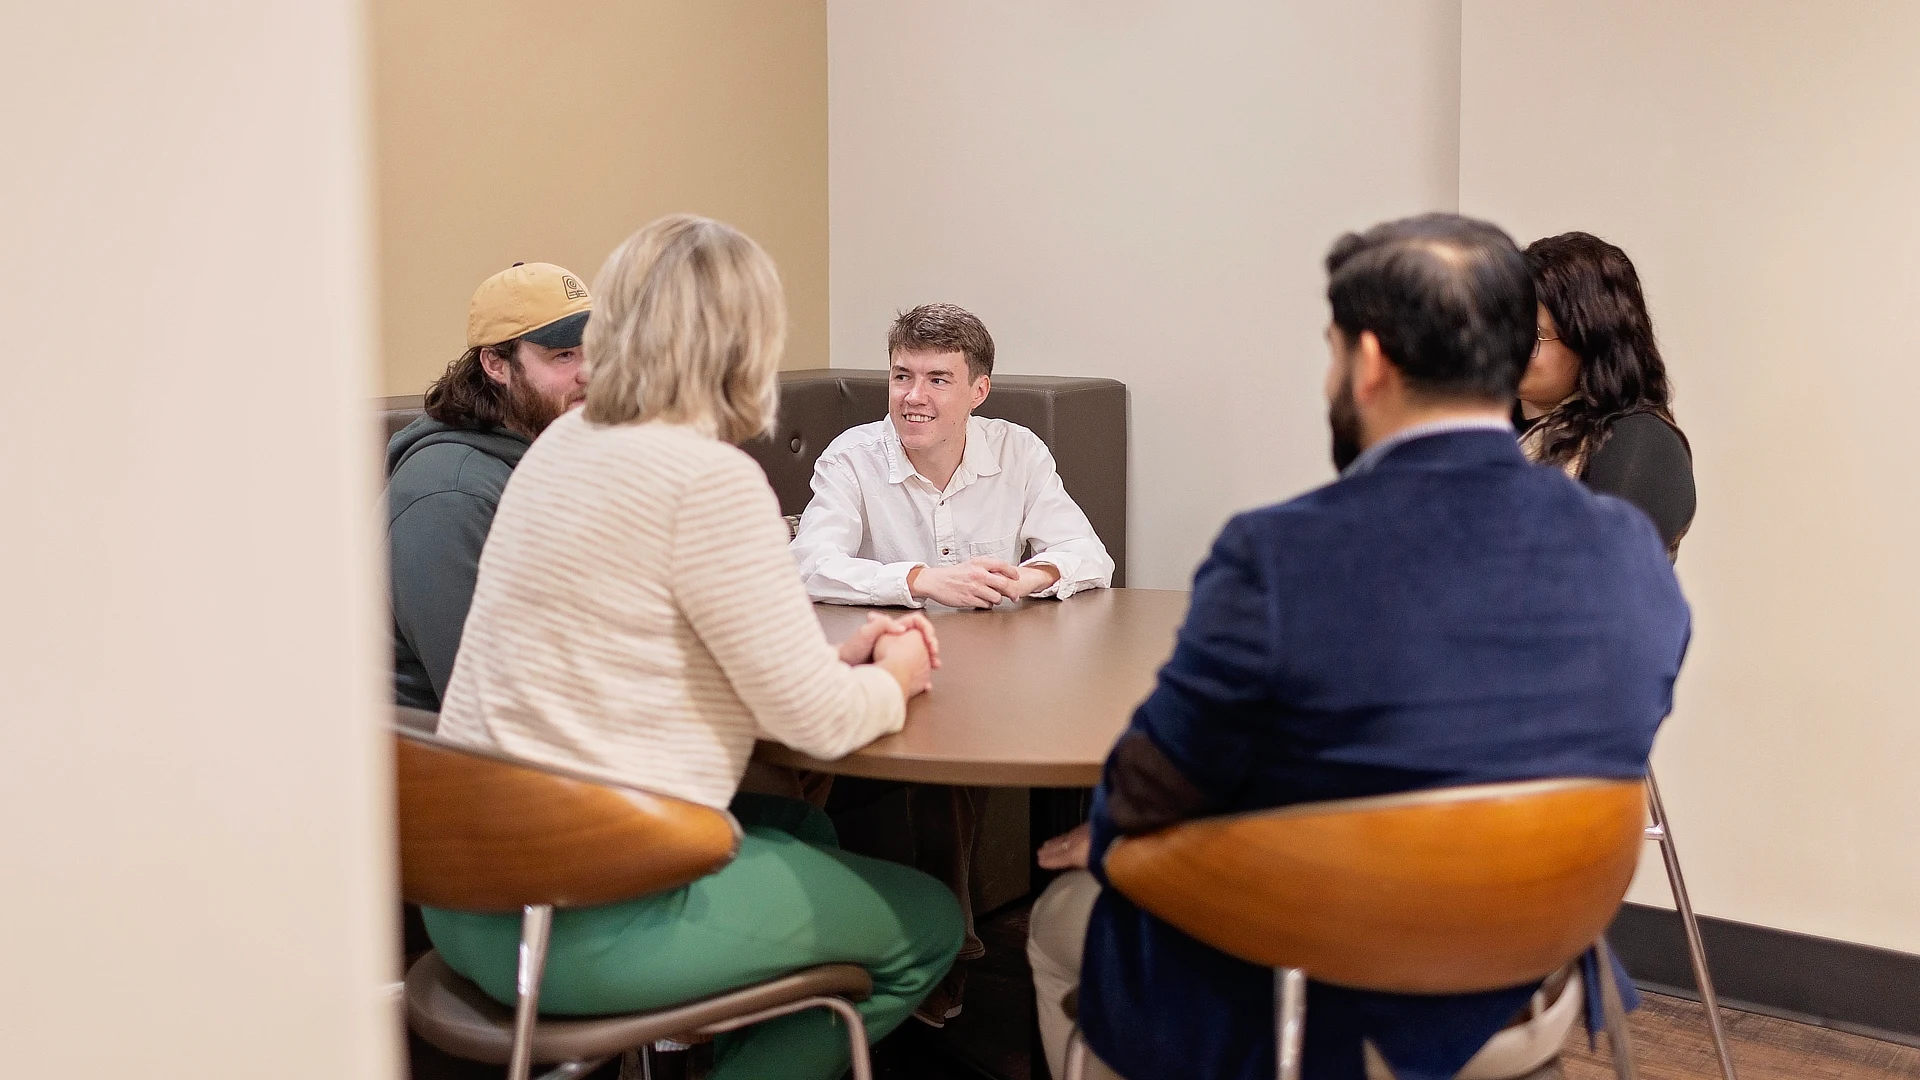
column 944, row 328
column 463, row 396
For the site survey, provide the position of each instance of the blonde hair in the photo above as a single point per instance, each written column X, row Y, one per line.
column 688, row 326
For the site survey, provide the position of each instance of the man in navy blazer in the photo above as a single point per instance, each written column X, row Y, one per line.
column 1442, row 614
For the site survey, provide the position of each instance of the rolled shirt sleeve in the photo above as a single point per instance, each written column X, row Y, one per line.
column 1059, row 532
column 830, row 534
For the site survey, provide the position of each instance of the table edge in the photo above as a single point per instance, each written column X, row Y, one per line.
column 936, row 771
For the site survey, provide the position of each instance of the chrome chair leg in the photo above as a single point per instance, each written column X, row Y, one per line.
column 856, row 1037
column 1662, row 833
column 1615, row 1012
column 1289, row 1020
column 862, row 1063
column 637, row 1064
column 536, row 923
column 574, row 1070
column 1076, row 1063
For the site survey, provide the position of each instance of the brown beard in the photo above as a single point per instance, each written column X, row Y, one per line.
column 527, row 410
column 1343, row 417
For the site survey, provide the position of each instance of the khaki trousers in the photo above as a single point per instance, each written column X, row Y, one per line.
column 1056, row 939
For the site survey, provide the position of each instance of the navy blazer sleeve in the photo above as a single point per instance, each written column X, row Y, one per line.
column 1188, row 748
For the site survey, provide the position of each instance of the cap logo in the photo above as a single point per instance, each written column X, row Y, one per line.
column 575, row 290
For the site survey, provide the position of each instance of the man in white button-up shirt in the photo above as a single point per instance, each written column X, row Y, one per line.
column 935, row 504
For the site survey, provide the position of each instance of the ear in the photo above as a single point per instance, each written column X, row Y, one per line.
column 1373, row 373
column 495, row 365
column 981, row 387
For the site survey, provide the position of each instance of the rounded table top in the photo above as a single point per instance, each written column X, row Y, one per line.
column 1032, row 695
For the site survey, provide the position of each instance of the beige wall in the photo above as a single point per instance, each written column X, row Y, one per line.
column 1758, row 160
column 513, row 131
column 1142, row 191
column 1139, row 193
column 192, row 764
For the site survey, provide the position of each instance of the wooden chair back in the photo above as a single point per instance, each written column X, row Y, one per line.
column 480, row 831
column 1433, row 892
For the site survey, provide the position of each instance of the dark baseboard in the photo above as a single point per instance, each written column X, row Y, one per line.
column 1836, row 984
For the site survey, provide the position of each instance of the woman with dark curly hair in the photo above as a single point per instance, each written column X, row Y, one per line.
column 1595, row 399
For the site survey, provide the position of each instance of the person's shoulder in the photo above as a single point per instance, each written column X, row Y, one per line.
column 1646, row 425
column 1644, row 434
column 699, row 460
column 450, row 467
column 1007, row 432
column 1011, row 442
column 668, row 448
column 858, row 439
column 1282, row 524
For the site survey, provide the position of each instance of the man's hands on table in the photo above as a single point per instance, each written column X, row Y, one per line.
column 1069, row 850
column 979, row 583
column 905, row 647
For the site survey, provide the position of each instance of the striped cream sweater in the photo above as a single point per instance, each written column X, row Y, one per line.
column 638, row 616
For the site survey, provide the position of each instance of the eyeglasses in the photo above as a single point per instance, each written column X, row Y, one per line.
column 1539, row 338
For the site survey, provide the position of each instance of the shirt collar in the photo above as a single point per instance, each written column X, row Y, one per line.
column 976, row 461
column 1373, row 455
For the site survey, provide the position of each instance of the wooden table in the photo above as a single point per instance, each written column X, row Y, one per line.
column 1029, row 695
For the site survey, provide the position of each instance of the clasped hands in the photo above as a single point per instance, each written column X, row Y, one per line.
column 979, row 583
column 905, row 646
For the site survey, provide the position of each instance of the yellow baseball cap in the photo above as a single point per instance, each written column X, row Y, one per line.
column 544, row 303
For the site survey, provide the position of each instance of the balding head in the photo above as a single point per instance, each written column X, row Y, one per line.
column 1450, row 299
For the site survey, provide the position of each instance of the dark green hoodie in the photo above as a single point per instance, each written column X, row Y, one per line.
column 443, row 484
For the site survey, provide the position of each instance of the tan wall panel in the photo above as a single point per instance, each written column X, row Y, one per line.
column 1757, row 159
column 512, row 131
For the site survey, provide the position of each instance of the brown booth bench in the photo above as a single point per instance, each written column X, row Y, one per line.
column 1083, row 421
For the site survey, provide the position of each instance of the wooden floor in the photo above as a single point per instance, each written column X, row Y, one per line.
column 1669, row 1037
column 1671, row 1043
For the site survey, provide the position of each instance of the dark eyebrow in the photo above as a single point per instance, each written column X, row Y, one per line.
column 901, row 368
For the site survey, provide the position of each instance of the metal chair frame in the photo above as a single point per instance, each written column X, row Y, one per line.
column 1290, row 996
column 536, row 927
column 1660, row 832
column 1290, row 1024
column 1290, row 983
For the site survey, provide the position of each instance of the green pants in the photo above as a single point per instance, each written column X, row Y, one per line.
column 791, row 899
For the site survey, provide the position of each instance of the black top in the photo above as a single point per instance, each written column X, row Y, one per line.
column 1647, row 463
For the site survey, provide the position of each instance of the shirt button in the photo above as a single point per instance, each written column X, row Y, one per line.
column 944, row 551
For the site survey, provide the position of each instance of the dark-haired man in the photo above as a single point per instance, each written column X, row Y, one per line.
column 1443, row 614
column 446, row 470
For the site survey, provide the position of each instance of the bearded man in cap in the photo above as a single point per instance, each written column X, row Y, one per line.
column 446, row 470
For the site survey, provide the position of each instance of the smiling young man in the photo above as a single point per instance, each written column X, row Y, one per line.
column 936, row 505
column 446, row 470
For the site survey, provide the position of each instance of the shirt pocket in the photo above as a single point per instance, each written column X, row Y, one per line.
column 1006, row 549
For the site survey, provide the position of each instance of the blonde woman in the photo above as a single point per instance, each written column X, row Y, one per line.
column 637, row 615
